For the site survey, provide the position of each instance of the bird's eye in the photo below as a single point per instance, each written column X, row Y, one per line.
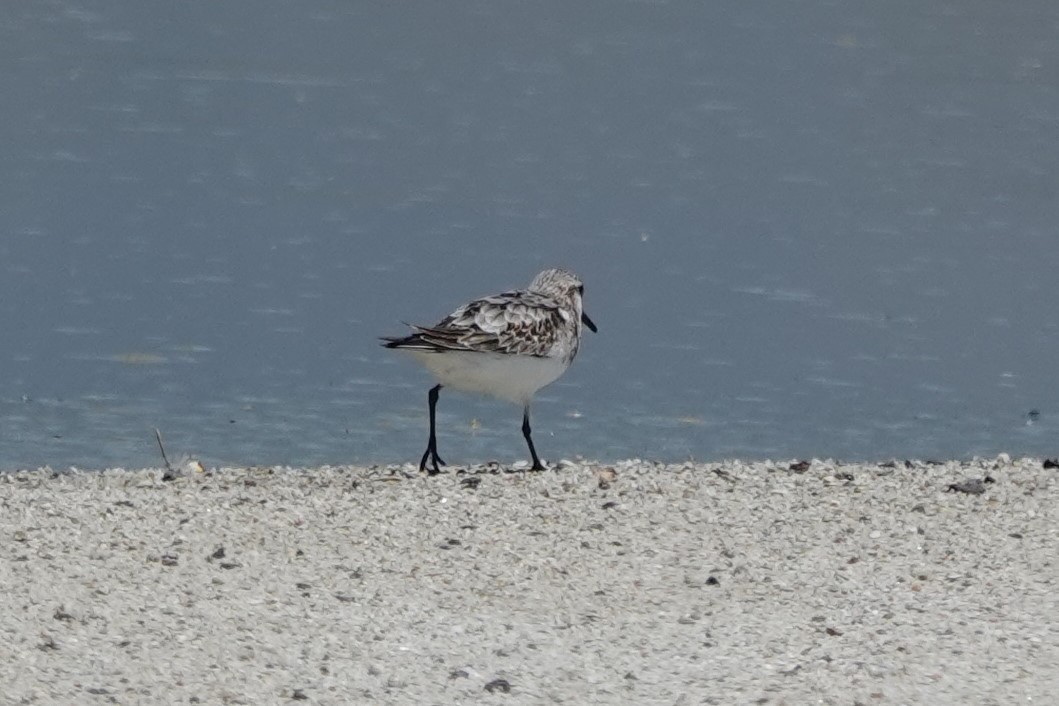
column 581, row 289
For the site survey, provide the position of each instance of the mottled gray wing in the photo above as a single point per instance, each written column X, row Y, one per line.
column 520, row 322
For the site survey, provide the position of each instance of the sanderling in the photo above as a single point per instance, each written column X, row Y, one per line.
column 508, row 346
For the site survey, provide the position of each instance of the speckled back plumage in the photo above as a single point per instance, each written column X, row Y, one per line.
column 543, row 321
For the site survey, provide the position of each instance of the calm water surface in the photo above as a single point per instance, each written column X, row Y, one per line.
column 806, row 228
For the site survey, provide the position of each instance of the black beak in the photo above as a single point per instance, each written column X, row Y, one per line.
column 588, row 322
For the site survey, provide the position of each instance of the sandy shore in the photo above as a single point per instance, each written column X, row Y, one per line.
column 625, row 583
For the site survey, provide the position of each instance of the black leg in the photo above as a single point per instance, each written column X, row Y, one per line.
column 537, row 465
column 432, row 444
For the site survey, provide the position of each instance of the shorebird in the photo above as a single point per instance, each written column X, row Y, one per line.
column 507, row 346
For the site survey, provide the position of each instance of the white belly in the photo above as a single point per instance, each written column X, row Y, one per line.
column 510, row 377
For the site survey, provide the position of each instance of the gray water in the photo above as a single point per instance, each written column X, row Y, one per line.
column 806, row 228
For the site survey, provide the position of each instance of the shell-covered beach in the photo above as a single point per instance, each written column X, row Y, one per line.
column 589, row 583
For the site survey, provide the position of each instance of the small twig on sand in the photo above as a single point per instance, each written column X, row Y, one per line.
column 724, row 474
column 158, row 436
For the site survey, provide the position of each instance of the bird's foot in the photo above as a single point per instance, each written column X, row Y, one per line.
column 435, row 461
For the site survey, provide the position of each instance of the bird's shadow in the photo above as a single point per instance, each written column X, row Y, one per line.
column 491, row 468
